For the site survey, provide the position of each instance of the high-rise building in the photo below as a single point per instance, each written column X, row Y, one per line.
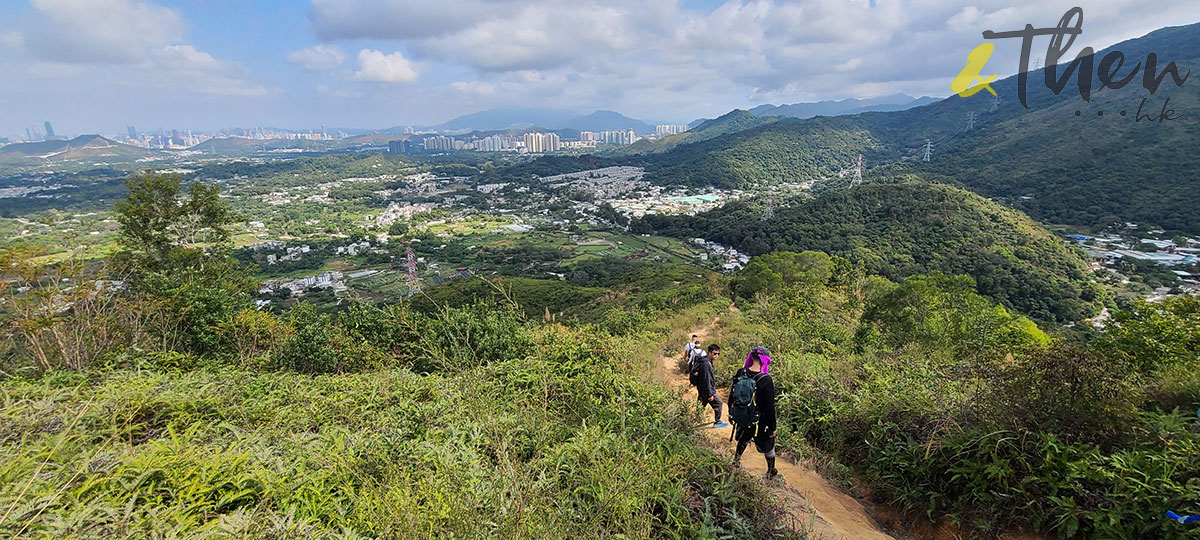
column 49, row 130
column 398, row 147
column 132, row 132
column 439, row 142
column 495, row 143
column 619, row 137
column 669, row 129
column 541, row 142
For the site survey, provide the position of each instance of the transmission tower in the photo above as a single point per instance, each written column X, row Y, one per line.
column 995, row 102
column 410, row 263
column 857, row 173
column 1038, row 65
column 768, row 208
column 970, row 121
column 928, row 150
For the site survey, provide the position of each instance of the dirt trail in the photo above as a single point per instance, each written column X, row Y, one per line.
column 823, row 510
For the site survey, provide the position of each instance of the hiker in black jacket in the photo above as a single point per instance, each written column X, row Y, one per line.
column 754, row 421
column 706, row 387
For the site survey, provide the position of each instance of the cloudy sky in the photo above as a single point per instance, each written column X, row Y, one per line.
column 99, row 65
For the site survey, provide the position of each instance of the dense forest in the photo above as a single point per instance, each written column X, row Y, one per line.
column 907, row 227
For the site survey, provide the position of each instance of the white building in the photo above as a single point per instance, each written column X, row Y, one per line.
column 537, row 143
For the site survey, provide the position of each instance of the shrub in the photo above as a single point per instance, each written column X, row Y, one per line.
column 310, row 349
column 251, row 333
column 1068, row 391
column 471, row 336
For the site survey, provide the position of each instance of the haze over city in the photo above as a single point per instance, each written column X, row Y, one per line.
column 96, row 66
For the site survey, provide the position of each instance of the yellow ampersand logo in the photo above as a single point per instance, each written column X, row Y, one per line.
column 976, row 59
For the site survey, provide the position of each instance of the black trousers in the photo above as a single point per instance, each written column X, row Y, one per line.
column 716, row 403
column 763, row 441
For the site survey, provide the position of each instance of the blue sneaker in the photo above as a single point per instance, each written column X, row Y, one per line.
column 720, row 424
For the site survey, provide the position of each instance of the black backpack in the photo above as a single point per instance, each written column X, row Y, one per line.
column 743, row 409
column 694, row 372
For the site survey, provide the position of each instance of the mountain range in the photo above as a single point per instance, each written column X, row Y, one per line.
column 551, row 119
column 1061, row 159
column 603, row 120
column 894, row 102
column 81, row 147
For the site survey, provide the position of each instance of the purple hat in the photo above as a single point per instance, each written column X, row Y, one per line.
column 763, row 354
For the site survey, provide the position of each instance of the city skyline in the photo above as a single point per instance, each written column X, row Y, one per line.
column 98, row 66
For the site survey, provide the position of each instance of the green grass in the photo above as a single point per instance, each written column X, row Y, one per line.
column 563, row 444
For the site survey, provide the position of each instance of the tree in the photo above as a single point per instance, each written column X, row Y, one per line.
column 770, row 273
column 177, row 251
column 157, row 218
column 1149, row 336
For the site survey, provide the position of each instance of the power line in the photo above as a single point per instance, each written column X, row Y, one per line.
column 410, row 264
column 857, row 172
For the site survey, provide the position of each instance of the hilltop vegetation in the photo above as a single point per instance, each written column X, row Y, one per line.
column 907, row 227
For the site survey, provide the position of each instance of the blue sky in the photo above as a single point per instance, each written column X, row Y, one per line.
column 99, row 65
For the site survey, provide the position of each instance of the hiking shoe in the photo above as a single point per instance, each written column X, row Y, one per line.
column 737, row 462
column 771, row 474
column 720, row 424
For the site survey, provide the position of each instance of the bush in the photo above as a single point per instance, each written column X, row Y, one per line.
column 1150, row 336
column 310, row 349
column 252, row 333
column 1073, row 393
column 471, row 336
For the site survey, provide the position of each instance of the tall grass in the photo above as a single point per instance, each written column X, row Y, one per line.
column 560, row 438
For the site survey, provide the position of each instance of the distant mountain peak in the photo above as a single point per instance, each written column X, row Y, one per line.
column 554, row 119
column 893, row 102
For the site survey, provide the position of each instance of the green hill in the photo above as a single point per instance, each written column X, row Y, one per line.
column 1087, row 170
column 903, row 228
column 81, row 147
column 239, row 145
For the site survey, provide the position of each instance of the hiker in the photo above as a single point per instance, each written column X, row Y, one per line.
column 691, row 345
column 752, row 408
column 700, row 374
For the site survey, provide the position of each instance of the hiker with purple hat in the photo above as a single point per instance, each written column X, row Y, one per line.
column 752, row 408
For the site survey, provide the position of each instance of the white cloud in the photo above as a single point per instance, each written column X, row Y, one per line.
column 636, row 52
column 374, row 66
column 135, row 41
column 12, row 40
column 336, row 92
column 474, row 87
column 318, row 57
column 399, row 19
column 100, row 31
